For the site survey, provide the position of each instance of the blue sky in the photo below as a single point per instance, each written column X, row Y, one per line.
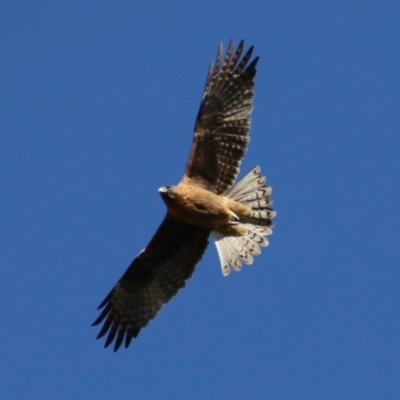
column 98, row 102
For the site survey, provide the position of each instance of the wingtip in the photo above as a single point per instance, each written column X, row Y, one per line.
column 106, row 300
column 231, row 43
column 254, row 62
column 117, row 346
column 111, row 335
column 220, row 50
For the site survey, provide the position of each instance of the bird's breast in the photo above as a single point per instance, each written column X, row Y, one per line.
column 199, row 207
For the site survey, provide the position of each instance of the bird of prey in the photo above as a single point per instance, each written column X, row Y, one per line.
column 206, row 201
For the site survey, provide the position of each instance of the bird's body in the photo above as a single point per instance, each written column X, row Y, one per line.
column 206, row 201
column 200, row 207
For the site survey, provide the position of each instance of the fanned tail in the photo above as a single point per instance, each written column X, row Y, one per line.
column 253, row 192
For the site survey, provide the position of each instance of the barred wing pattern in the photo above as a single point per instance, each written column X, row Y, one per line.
column 152, row 279
column 223, row 122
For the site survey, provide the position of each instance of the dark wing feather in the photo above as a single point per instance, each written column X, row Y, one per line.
column 223, row 122
column 151, row 280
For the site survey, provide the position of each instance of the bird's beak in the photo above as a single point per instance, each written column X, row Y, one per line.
column 162, row 189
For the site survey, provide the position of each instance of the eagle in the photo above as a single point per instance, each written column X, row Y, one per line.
column 206, row 202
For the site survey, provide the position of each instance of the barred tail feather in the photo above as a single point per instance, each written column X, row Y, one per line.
column 235, row 250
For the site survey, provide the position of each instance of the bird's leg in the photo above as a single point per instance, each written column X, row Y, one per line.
column 235, row 220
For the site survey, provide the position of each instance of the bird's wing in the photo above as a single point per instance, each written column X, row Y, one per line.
column 223, row 122
column 152, row 279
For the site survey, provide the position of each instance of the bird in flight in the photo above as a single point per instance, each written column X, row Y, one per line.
column 206, row 201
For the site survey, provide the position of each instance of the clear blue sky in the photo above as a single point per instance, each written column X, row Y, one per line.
column 98, row 101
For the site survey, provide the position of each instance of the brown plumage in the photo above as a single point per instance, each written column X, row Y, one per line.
column 205, row 201
column 223, row 122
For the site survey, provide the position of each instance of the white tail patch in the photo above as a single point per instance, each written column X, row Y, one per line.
column 235, row 250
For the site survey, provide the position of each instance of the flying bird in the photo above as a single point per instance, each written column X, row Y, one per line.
column 206, row 201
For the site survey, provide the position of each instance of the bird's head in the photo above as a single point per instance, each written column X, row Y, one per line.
column 167, row 193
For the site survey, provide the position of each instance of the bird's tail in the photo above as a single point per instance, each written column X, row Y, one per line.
column 253, row 192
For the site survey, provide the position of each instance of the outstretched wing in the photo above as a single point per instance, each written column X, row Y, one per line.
column 151, row 280
column 223, row 122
